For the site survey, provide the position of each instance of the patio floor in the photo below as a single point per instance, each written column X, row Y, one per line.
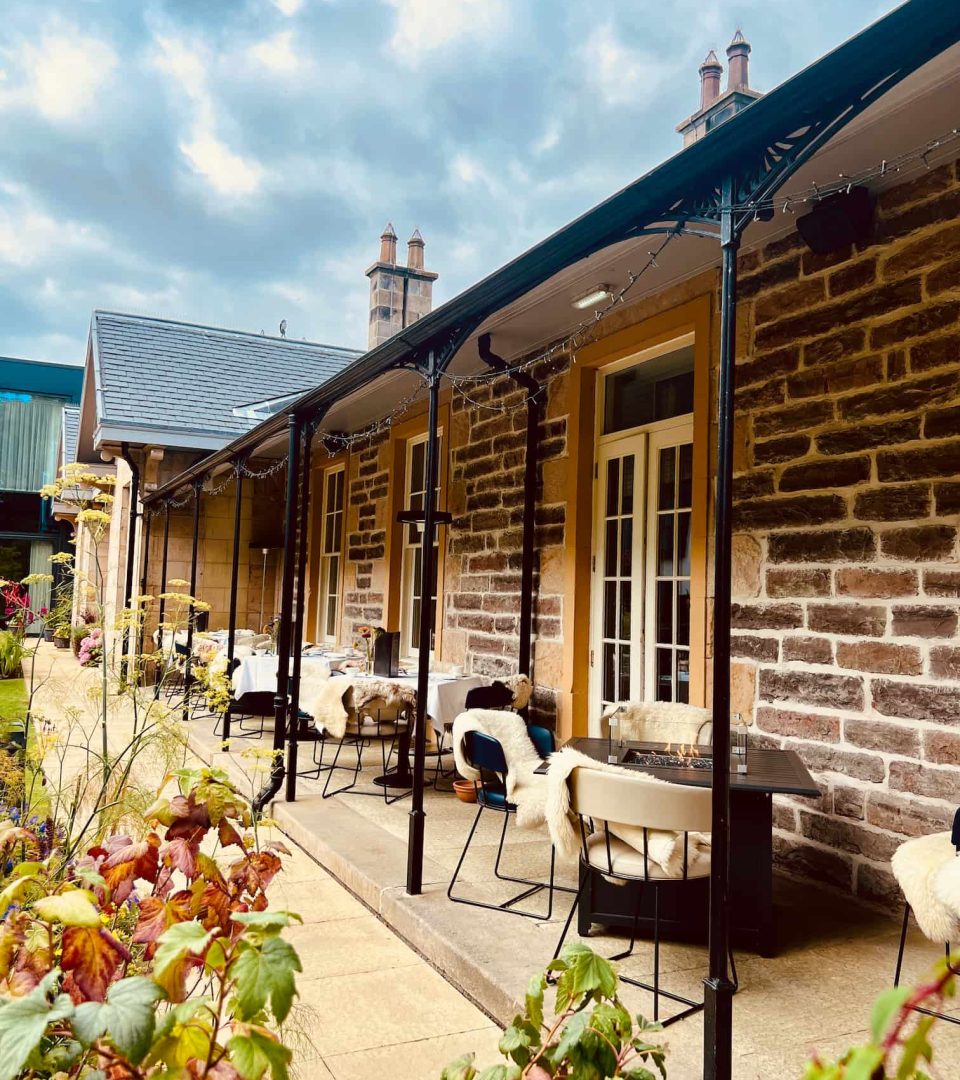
column 835, row 954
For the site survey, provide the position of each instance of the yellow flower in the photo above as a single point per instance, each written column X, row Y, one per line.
column 61, row 558
column 93, row 517
column 179, row 582
column 36, row 579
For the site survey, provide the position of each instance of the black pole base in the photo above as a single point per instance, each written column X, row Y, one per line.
column 718, row 1028
column 395, row 778
column 418, row 821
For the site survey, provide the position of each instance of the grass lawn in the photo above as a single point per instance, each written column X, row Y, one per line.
column 13, row 698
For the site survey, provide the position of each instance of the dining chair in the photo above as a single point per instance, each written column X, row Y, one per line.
column 485, row 754
column 494, row 696
column 919, row 865
column 378, row 721
column 605, row 801
column 659, row 721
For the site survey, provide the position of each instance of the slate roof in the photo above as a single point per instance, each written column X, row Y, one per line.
column 69, row 433
column 156, row 375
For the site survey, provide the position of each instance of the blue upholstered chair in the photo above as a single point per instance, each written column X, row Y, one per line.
column 486, row 755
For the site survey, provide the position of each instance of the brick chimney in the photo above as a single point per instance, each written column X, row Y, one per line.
column 399, row 295
column 738, row 59
column 716, row 107
column 710, row 71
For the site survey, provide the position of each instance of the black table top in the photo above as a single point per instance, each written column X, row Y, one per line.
column 768, row 771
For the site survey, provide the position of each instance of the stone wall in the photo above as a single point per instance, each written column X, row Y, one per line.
column 847, row 494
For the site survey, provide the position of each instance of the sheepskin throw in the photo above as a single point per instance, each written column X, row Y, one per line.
column 927, row 869
column 665, row 848
column 524, row 787
column 329, row 700
column 660, row 721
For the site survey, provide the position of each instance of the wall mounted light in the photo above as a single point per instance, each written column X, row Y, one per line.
column 597, row 294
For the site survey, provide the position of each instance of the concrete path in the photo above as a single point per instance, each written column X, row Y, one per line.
column 370, row 1005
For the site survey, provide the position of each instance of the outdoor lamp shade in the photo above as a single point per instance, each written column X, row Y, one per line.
column 837, row 222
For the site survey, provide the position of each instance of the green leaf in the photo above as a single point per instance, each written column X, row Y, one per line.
column 863, row 1063
column 178, row 941
column 130, row 1013
column 24, row 1020
column 570, row 1036
column 497, row 1072
column 916, row 1047
column 885, row 1008
column 266, row 921
column 74, row 908
column 591, row 973
column 89, row 1023
column 461, row 1069
column 534, row 1000
column 253, row 1054
column 265, row 971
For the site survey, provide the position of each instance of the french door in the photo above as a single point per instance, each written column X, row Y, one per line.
column 640, row 633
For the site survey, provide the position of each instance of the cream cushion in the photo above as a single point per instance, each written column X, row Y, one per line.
column 627, row 860
column 917, row 865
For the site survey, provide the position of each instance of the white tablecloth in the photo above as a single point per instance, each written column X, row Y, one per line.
column 258, row 674
column 446, row 694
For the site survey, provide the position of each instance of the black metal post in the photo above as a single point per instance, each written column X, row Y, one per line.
column 144, row 567
column 427, row 613
column 163, row 589
column 718, row 987
column 294, row 426
column 234, row 574
column 297, row 645
column 132, row 515
column 192, row 617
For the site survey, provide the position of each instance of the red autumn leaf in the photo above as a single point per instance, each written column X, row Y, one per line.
column 93, row 956
column 256, row 871
column 229, row 835
column 216, row 908
column 129, row 860
column 157, row 914
column 189, row 816
column 181, row 854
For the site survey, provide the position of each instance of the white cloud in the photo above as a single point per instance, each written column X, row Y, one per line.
column 288, row 7
column 227, row 173
column 276, row 54
column 549, row 139
column 30, row 237
column 423, row 26
column 623, row 75
column 61, row 77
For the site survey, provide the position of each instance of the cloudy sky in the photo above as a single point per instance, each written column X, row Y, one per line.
column 233, row 162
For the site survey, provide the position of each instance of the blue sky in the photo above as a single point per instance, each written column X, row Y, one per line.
column 233, row 162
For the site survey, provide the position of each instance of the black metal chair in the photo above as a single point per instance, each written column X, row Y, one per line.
column 486, row 755
column 377, row 722
column 601, row 798
column 494, row 696
column 911, row 859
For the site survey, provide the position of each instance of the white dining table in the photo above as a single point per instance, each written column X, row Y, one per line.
column 446, row 694
column 258, row 674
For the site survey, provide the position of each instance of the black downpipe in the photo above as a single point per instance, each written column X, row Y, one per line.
column 131, row 553
column 192, row 617
column 145, row 566
column 294, row 427
column 234, row 575
column 302, row 549
column 718, row 988
column 163, row 589
column 531, row 467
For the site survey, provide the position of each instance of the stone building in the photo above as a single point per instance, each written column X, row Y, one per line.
column 846, row 586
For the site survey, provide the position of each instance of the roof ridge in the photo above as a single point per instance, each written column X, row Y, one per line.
column 223, row 330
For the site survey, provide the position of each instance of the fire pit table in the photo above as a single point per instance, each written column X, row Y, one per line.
column 769, row 772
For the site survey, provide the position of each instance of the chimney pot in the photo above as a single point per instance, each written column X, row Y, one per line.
column 388, row 245
column 710, row 72
column 738, row 59
column 415, row 247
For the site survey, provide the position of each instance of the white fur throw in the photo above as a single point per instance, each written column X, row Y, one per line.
column 329, row 700
column 665, row 848
column 524, row 787
column 660, row 721
column 927, row 868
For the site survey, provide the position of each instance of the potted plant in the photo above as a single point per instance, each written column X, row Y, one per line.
column 61, row 635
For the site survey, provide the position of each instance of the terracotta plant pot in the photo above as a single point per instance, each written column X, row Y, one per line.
column 465, row 791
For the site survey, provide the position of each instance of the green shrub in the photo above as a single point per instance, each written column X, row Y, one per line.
column 11, row 655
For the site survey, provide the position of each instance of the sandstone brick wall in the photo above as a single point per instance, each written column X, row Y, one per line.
column 482, row 595
column 847, row 585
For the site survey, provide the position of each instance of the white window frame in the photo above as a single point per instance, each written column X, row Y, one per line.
column 409, row 648
column 331, row 561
